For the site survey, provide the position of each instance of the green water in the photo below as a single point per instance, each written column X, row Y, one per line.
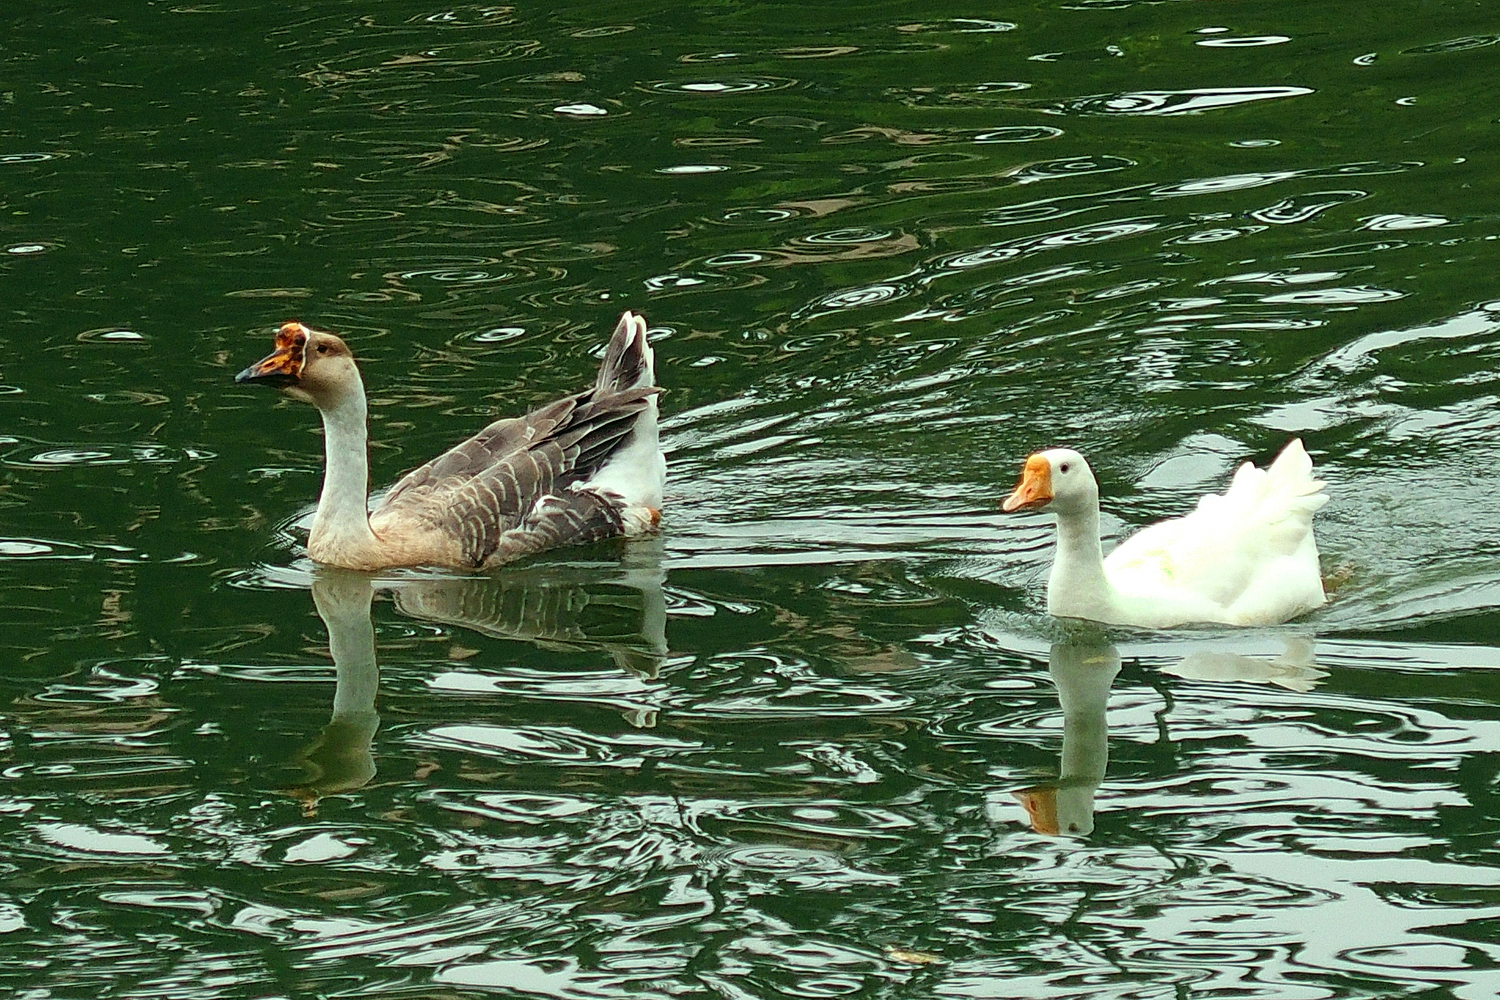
column 787, row 748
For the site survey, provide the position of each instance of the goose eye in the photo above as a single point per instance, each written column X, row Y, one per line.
column 322, row 348
column 1060, row 468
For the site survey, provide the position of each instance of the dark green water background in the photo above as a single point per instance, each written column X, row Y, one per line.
column 782, row 750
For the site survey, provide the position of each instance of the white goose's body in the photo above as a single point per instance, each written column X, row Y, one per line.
column 1243, row 557
column 584, row 467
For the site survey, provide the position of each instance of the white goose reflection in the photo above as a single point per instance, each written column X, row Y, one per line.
column 1295, row 668
column 620, row 612
column 1083, row 672
column 1084, row 669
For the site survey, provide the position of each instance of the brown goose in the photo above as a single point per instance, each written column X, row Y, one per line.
column 585, row 467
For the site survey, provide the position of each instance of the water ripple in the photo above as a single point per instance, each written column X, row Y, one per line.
column 80, row 840
column 580, row 110
column 826, row 820
column 1218, row 185
column 1350, row 250
column 786, row 688
column 1172, row 102
column 1018, row 133
column 1461, row 44
column 111, row 335
column 1217, row 235
column 842, row 237
column 106, row 685
column 702, row 168
column 1398, row 222
column 458, row 275
column 1073, row 166
column 758, row 217
column 100, row 453
column 1337, row 296
column 1245, row 41
column 1302, row 207
column 855, row 298
column 29, row 157
column 721, row 87
column 517, row 744
column 997, row 253
column 988, row 95
column 468, row 16
column 1366, row 168
column 36, row 548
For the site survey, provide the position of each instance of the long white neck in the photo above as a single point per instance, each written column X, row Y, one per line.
column 342, row 522
column 1078, row 587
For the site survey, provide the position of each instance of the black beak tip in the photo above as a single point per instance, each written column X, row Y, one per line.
column 275, row 380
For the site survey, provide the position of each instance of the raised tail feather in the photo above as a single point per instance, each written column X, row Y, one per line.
column 628, row 360
column 1283, row 492
column 634, row 471
column 1290, row 479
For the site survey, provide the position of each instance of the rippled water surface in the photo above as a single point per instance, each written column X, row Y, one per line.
column 819, row 738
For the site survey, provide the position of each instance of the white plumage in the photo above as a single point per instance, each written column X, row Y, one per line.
column 1243, row 557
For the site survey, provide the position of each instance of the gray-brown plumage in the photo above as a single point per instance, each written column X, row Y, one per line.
column 584, row 467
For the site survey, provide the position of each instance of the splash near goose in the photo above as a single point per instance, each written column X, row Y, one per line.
column 1243, row 557
column 585, row 467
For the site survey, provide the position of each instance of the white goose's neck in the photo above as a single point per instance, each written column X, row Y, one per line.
column 1078, row 587
column 341, row 527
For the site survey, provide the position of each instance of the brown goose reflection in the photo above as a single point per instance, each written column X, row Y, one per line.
column 620, row 612
column 1083, row 671
column 340, row 759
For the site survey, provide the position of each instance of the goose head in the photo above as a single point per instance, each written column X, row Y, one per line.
column 1057, row 479
column 311, row 365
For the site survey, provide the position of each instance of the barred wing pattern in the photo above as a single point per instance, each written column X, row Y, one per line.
column 519, row 485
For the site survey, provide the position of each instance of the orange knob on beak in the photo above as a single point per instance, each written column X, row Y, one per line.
column 1035, row 488
column 282, row 366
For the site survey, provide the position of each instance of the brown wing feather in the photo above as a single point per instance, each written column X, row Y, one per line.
column 484, row 493
column 568, row 518
column 484, row 450
column 515, row 487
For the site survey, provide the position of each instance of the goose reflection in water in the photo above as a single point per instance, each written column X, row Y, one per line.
column 341, row 758
column 1083, row 671
column 558, row 607
column 1295, row 668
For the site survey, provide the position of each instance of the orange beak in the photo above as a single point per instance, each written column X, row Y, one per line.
column 1040, row 803
column 1035, row 488
column 282, row 366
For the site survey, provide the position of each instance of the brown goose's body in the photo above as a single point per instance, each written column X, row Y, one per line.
column 585, row 467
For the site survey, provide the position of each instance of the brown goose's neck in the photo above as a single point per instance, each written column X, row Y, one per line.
column 341, row 532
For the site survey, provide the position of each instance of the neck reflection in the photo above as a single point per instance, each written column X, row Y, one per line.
column 618, row 611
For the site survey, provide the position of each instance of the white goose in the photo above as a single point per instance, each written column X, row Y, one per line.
column 585, row 467
column 1243, row 557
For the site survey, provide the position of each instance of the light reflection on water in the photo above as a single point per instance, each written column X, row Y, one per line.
column 819, row 738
